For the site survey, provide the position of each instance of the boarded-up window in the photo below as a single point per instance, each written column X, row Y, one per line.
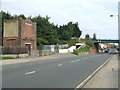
column 11, row 28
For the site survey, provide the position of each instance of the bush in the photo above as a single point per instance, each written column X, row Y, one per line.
column 84, row 49
column 3, row 58
column 72, row 42
column 89, row 43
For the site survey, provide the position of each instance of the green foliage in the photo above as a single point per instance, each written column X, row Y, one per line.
column 5, row 58
column 66, row 32
column 83, row 49
column 90, row 43
column 63, row 42
column 47, row 32
column 94, row 36
column 72, row 42
column 41, row 41
column 87, row 36
column 21, row 16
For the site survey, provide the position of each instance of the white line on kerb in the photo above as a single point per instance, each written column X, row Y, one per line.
column 30, row 72
column 59, row 65
column 93, row 73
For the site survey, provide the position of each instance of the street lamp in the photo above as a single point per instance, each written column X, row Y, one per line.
column 118, row 23
column 114, row 15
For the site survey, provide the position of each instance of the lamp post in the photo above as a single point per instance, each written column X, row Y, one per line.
column 118, row 23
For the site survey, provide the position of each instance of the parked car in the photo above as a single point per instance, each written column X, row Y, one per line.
column 106, row 50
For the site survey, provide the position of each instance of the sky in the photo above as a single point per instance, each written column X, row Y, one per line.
column 93, row 16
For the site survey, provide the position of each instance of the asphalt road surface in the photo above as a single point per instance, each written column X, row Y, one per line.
column 66, row 72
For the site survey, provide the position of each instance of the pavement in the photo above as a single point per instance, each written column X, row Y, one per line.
column 107, row 77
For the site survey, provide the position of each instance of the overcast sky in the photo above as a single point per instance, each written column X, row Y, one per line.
column 93, row 16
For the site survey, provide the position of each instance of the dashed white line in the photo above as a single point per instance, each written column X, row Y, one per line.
column 59, row 65
column 30, row 72
column 74, row 61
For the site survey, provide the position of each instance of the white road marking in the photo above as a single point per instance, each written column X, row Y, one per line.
column 88, row 78
column 59, row 65
column 30, row 72
column 74, row 61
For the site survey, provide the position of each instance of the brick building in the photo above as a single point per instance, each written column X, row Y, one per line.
column 19, row 32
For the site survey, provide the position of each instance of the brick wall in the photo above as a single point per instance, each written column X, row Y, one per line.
column 28, row 33
column 26, row 30
column 93, row 51
column 9, row 42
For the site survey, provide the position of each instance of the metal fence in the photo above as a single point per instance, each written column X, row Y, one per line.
column 45, row 50
column 49, row 48
column 14, row 50
column 63, row 46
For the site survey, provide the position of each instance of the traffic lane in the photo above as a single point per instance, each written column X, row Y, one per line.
column 66, row 76
column 51, row 76
column 27, row 65
column 30, row 69
column 17, row 71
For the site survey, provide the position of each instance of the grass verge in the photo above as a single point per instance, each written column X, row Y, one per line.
column 5, row 58
column 83, row 49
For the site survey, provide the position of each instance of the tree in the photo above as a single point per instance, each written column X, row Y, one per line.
column 22, row 16
column 94, row 36
column 66, row 32
column 87, row 36
column 47, row 32
column 90, row 43
column 41, row 41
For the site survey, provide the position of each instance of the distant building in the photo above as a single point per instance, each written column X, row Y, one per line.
column 110, row 45
column 103, row 45
column 19, row 32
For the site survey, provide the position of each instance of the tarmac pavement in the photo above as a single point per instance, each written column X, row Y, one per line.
column 107, row 77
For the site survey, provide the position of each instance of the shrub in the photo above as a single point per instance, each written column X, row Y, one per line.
column 3, row 58
column 90, row 43
column 84, row 49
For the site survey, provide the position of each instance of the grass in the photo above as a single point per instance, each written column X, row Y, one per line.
column 5, row 58
column 83, row 49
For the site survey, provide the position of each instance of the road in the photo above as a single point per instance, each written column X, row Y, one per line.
column 67, row 72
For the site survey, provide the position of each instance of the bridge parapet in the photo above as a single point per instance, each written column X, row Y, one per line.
column 105, row 41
